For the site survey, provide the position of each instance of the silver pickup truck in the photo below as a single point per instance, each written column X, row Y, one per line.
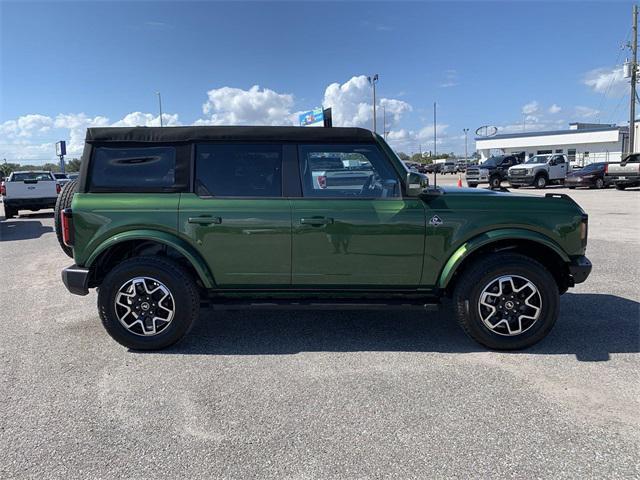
column 626, row 173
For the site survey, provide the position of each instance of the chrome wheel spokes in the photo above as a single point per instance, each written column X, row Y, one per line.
column 510, row 305
column 144, row 306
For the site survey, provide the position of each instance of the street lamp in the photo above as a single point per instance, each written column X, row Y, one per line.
column 466, row 156
column 160, row 106
column 372, row 81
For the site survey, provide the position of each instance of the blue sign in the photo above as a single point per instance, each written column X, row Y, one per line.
column 312, row 118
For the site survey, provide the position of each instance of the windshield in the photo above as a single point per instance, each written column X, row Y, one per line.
column 21, row 177
column 492, row 162
column 538, row 159
column 592, row 167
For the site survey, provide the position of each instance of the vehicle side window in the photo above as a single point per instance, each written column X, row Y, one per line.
column 228, row 170
column 133, row 168
column 558, row 159
column 346, row 171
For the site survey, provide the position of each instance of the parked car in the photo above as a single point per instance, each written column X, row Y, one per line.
column 330, row 172
column 539, row 171
column 433, row 168
column 33, row 190
column 461, row 166
column 73, row 176
column 626, row 173
column 61, row 178
column 492, row 171
column 591, row 176
column 166, row 217
column 449, row 167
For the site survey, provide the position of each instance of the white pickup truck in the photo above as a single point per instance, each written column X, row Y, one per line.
column 626, row 173
column 29, row 191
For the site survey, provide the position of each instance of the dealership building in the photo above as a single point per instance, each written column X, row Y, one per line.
column 583, row 143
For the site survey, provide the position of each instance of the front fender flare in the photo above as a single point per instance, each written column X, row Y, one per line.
column 161, row 237
column 466, row 249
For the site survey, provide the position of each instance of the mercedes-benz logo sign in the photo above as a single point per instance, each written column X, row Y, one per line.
column 486, row 131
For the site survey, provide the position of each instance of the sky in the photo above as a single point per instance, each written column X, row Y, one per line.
column 66, row 66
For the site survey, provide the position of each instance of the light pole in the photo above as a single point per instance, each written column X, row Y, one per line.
column 160, row 106
column 466, row 157
column 372, row 81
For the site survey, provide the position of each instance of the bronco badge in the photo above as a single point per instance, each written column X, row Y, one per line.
column 435, row 221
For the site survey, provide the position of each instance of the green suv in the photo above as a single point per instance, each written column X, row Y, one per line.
column 162, row 220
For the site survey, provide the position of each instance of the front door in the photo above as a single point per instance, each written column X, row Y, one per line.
column 557, row 167
column 354, row 229
column 236, row 215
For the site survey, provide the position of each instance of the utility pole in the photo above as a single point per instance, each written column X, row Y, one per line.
column 372, row 81
column 435, row 149
column 466, row 156
column 160, row 106
column 634, row 67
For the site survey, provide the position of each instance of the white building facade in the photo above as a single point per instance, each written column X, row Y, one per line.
column 583, row 143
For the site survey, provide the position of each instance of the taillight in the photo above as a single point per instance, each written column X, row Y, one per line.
column 322, row 181
column 584, row 229
column 66, row 222
column 3, row 189
column 606, row 168
column 58, row 188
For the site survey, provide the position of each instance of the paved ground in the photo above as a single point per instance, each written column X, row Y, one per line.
column 321, row 395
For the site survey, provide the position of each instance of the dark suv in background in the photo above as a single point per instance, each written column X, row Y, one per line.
column 492, row 171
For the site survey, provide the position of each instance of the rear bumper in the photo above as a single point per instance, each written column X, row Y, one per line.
column 27, row 203
column 76, row 279
column 629, row 181
column 580, row 268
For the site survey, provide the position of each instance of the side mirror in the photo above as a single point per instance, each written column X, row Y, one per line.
column 416, row 183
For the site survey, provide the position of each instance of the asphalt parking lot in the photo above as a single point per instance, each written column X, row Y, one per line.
column 321, row 394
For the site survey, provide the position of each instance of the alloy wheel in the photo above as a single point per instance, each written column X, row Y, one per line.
column 510, row 305
column 144, row 306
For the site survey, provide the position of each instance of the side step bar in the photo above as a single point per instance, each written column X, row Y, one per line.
column 318, row 304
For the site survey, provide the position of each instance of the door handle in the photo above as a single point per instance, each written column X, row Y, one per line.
column 317, row 221
column 205, row 220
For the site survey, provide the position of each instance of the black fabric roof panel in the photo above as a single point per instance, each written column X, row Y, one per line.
column 206, row 133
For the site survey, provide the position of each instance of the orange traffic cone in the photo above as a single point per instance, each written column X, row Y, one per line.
column 459, row 181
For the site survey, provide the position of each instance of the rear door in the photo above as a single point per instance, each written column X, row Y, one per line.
column 359, row 233
column 236, row 215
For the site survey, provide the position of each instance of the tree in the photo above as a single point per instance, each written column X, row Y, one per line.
column 417, row 158
column 403, row 156
column 73, row 165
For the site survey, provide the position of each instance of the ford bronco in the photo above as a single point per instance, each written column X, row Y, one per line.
column 162, row 220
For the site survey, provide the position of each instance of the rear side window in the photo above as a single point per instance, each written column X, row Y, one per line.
column 238, row 170
column 133, row 168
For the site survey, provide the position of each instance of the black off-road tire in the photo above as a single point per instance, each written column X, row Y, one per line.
column 64, row 201
column 10, row 212
column 495, row 182
column 480, row 274
column 177, row 280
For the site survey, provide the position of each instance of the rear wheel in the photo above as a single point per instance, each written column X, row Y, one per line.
column 64, row 201
column 541, row 181
column 10, row 212
column 148, row 303
column 506, row 301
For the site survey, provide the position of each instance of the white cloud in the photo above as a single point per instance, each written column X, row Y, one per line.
column 352, row 104
column 234, row 106
column 139, row 119
column 609, row 81
column 451, row 79
column 553, row 109
column 411, row 140
column 26, row 126
column 586, row 112
column 530, row 108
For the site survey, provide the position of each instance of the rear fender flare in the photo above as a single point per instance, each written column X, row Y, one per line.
column 465, row 250
column 164, row 238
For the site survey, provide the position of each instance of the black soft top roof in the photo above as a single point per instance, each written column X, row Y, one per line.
column 205, row 133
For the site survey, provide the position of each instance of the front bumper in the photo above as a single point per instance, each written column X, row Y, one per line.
column 524, row 181
column 76, row 279
column 580, row 268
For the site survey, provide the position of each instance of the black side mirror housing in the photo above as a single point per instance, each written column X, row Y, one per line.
column 416, row 183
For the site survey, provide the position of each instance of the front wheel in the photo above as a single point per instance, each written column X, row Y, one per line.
column 472, row 185
column 620, row 187
column 506, row 301
column 494, row 182
column 599, row 183
column 515, row 186
column 541, row 182
column 148, row 303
